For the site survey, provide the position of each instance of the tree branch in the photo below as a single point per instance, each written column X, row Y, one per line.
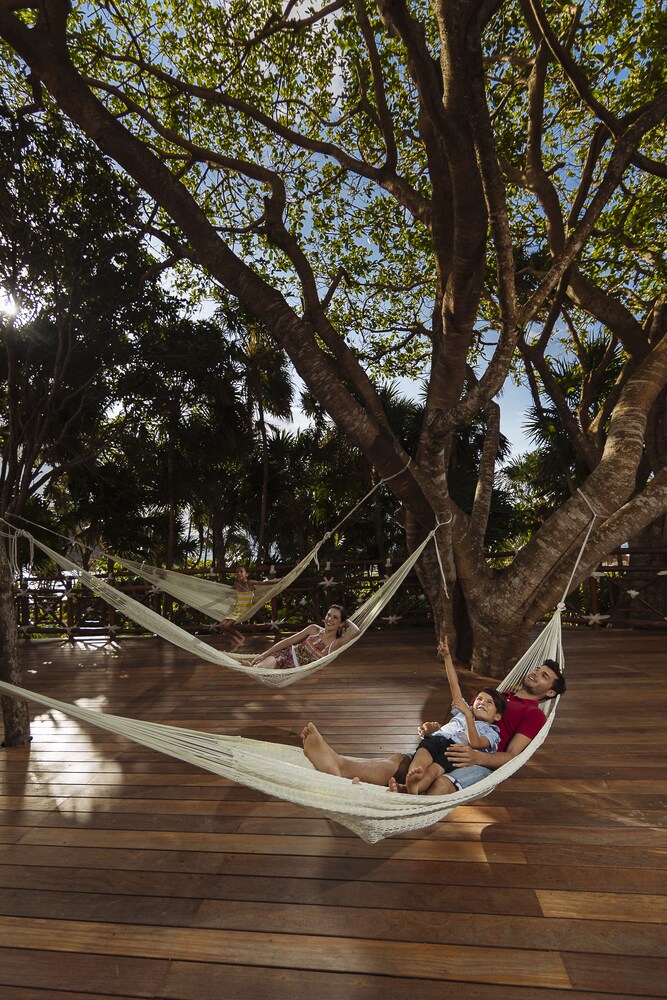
column 619, row 161
column 580, row 83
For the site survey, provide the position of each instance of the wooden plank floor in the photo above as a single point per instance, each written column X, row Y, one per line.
column 124, row 873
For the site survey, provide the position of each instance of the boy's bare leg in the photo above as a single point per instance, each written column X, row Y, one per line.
column 423, row 773
column 324, row 758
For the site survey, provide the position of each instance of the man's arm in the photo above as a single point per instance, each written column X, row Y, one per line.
column 461, row 755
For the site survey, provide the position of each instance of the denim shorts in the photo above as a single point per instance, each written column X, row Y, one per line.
column 463, row 777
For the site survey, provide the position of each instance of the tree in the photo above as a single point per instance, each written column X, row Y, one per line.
column 267, row 388
column 461, row 186
column 74, row 299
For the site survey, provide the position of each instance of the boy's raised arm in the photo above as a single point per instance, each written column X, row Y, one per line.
column 443, row 649
column 458, row 701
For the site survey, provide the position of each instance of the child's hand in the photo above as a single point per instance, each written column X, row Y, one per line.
column 443, row 646
column 458, row 701
column 427, row 728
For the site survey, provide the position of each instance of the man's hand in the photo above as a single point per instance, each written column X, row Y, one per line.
column 461, row 755
column 427, row 728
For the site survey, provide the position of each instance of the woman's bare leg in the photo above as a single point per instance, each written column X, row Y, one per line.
column 324, row 758
column 268, row 663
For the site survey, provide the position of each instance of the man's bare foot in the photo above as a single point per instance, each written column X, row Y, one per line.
column 394, row 786
column 319, row 753
column 414, row 775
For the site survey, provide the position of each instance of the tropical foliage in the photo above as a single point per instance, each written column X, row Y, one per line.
column 469, row 191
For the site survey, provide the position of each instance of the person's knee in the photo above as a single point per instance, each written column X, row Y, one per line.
column 441, row 786
column 463, row 777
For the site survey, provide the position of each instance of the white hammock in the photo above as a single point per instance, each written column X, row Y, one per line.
column 219, row 600
column 285, row 772
column 363, row 617
column 213, row 599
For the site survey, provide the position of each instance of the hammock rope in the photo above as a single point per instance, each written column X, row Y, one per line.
column 363, row 617
column 219, row 600
column 284, row 772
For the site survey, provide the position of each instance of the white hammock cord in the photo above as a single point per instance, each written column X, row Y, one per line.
column 441, row 524
column 367, row 497
column 581, row 550
column 12, row 550
column 151, row 620
column 218, row 600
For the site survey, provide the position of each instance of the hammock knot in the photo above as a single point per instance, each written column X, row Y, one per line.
column 560, row 607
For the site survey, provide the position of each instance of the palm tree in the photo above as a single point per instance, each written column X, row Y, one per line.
column 267, row 389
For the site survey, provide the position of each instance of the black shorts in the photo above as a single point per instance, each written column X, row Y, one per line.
column 436, row 746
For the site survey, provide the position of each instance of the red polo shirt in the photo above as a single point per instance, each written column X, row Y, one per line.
column 521, row 716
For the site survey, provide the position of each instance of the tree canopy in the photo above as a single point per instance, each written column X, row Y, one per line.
column 468, row 191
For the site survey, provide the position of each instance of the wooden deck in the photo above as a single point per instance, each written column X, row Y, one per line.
column 127, row 874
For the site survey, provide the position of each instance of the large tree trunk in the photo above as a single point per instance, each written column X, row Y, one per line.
column 14, row 710
column 491, row 613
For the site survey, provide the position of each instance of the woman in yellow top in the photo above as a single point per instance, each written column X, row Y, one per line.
column 245, row 588
column 310, row 644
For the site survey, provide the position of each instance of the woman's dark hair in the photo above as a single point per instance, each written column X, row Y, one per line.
column 498, row 700
column 343, row 618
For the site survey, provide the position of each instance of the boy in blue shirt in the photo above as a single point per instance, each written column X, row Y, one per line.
column 472, row 724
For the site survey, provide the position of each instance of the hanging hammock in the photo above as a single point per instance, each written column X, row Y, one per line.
column 363, row 617
column 213, row 599
column 219, row 600
column 285, row 772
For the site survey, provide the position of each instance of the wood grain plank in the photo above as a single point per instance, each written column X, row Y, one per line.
column 203, row 889
column 604, row 906
column 312, row 952
column 91, row 975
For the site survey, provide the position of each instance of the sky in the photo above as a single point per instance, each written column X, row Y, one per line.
column 514, row 402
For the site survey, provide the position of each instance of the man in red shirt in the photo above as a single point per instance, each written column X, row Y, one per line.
column 522, row 721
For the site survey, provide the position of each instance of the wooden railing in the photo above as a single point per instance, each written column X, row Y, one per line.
column 628, row 590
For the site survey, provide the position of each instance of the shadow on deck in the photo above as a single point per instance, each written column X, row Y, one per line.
column 124, row 873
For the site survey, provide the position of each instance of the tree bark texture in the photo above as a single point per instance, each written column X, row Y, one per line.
column 14, row 710
column 465, row 213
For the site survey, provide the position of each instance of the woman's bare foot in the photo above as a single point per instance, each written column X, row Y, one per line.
column 414, row 776
column 319, row 753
